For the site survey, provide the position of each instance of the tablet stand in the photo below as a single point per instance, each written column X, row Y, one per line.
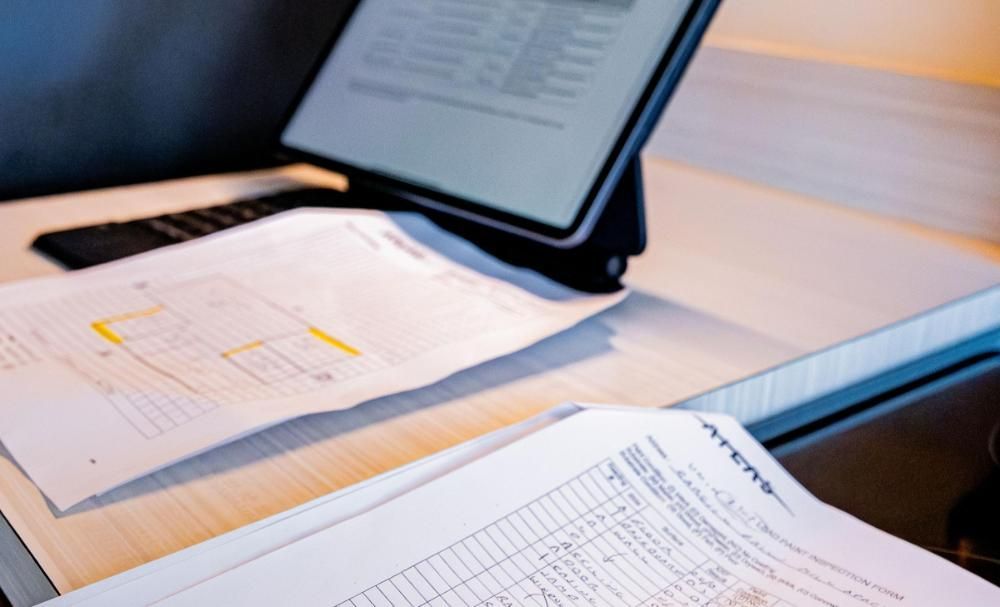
column 597, row 264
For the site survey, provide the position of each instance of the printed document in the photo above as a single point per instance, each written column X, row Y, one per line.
column 163, row 577
column 607, row 507
column 110, row 373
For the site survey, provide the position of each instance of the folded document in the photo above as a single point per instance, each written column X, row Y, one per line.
column 581, row 506
column 110, row 373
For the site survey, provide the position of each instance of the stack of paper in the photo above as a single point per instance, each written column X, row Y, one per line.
column 159, row 579
column 110, row 373
column 582, row 506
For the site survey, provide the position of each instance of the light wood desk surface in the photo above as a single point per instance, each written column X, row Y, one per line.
column 738, row 279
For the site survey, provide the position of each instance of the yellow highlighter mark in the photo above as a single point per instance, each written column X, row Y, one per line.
column 336, row 343
column 104, row 331
column 244, row 348
column 102, row 328
column 131, row 315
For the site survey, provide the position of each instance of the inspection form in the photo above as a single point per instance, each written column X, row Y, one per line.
column 164, row 577
column 110, row 373
column 607, row 507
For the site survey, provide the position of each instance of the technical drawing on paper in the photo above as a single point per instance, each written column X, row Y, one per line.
column 191, row 347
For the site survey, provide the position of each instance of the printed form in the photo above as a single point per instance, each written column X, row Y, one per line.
column 607, row 507
column 156, row 580
column 111, row 373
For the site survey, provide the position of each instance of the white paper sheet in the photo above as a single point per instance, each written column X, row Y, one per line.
column 111, row 373
column 667, row 509
column 159, row 579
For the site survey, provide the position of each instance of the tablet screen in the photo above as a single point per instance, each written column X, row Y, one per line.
column 512, row 105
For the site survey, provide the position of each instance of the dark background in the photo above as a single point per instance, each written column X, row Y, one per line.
column 104, row 92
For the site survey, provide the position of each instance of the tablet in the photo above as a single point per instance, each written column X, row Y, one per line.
column 520, row 114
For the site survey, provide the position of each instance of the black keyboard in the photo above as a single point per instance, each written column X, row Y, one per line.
column 92, row 245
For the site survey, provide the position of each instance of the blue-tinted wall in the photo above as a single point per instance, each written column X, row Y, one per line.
column 98, row 92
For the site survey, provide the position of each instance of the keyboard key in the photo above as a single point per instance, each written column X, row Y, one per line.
column 167, row 229
column 189, row 222
column 220, row 216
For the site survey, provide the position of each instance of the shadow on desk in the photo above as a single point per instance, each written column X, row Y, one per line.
column 628, row 340
column 590, row 339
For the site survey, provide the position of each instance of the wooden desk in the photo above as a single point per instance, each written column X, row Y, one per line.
column 739, row 279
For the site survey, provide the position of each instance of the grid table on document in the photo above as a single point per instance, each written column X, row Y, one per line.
column 591, row 541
